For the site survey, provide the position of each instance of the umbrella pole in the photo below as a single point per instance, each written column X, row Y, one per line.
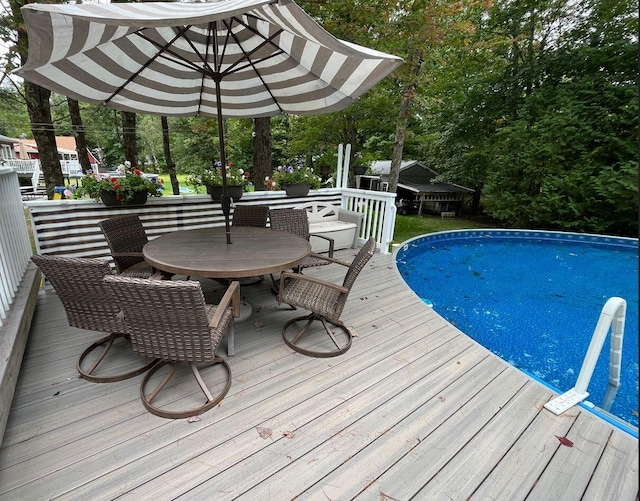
column 225, row 201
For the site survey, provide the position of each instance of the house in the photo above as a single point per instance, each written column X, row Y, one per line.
column 7, row 151
column 27, row 149
column 26, row 158
column 416, row 186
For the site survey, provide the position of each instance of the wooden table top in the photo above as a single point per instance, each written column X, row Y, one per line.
column 205, row 253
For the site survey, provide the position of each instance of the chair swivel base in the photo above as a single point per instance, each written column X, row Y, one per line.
column 292, row 342
column 211, row 402
column 89, row 375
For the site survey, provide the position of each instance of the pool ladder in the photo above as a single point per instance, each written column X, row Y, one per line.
column 612, row 316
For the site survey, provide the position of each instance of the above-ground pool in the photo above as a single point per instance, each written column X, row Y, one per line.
column 533, row 298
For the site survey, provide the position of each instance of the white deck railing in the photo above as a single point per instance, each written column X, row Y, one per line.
column 22, row 167
column 379, row 214
column 15, row 248
column 70, row 168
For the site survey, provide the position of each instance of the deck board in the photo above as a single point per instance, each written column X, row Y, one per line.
column 414, row 409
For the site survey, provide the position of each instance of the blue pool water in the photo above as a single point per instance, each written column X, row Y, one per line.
column 533, row 298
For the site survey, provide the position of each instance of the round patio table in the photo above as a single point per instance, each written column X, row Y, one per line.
column 205, row 252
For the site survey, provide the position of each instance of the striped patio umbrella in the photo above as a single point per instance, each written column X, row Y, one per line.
column 226, row 58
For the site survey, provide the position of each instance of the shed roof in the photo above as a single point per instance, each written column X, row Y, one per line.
column 383, row 167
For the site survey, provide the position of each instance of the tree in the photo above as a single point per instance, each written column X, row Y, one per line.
column 78, row 132
column 38, row 106
column 261, row 152
column 168, row 158
column 129, row 137
column 566, row 155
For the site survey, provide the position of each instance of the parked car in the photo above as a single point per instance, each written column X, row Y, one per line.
column 405, row 206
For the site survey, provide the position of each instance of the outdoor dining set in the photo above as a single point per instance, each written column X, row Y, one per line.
column 152, row 307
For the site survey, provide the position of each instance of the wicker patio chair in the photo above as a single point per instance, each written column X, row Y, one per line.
column 170, row 320
column 126, row 238
column 78, row 283
column 296, row 221
column 325, row 301
column 250, row 215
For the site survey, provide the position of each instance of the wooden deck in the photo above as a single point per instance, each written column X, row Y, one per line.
column 415, row 410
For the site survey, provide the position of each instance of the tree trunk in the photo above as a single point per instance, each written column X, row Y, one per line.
column 39, row 108
column 398, row 144
column 166, row 148
column 78, row 132
column 403, row 120
column 40, row 113
column 129, row 143
column 261, row 152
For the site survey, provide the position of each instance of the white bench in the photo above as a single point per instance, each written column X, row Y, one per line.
column 343, row 226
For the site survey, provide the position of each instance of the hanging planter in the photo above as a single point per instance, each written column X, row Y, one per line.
column 234, row 192
column 109, row 198
column 297, row 189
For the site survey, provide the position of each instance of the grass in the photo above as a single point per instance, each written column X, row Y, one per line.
column 413, row 225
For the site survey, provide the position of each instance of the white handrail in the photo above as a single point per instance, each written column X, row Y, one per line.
column 612, row 316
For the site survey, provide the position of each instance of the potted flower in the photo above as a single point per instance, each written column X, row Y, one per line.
column 295, row 180
column 128, row 187
column 211, row 179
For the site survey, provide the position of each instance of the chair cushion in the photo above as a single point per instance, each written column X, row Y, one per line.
column 341, row 232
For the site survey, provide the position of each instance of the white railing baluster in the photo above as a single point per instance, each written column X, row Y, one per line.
column 15, row 248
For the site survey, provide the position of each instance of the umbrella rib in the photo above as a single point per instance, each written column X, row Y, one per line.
column 247, row 55
column 177, row 58
column 145, row 65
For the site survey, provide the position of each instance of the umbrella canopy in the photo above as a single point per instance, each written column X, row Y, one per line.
column 228, row 58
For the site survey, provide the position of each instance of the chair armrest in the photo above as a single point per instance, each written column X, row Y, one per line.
column 329, row 239
column 330, row 259
column 230, row 298
column 297, row 276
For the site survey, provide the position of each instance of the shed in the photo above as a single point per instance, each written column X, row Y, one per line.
column 416, row 185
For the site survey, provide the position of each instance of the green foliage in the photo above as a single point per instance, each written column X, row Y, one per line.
column 14, row 119
column 545, row 125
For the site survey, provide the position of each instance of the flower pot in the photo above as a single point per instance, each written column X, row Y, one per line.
column 109, row 198
column 234, row 192
column 359, row 170
column 297, row 189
